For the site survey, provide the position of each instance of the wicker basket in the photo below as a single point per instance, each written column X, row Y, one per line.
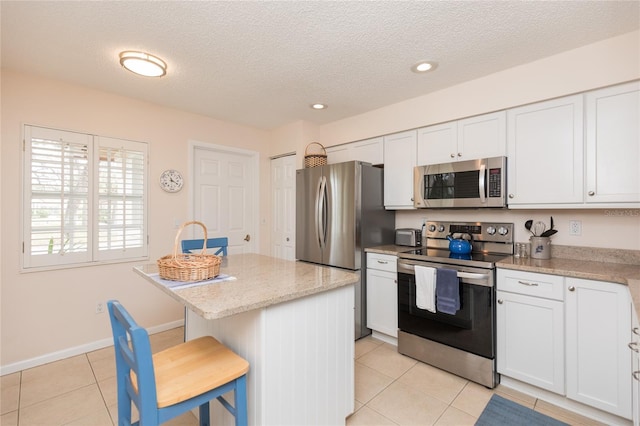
column 189, row 266
column 314, row 160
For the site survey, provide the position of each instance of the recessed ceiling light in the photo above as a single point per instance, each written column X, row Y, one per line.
column 424, row 66
column 318, row 106
column 143, row 63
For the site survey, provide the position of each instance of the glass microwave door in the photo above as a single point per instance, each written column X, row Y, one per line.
column 453, row 185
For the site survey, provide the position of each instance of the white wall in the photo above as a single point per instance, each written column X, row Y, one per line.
column 45, row 312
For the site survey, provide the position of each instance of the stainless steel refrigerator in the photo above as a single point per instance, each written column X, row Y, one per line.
column 340, row 212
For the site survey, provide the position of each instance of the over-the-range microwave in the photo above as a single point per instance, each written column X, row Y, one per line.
column 461, row 184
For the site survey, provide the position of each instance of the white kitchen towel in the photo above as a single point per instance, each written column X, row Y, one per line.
column 426, row 288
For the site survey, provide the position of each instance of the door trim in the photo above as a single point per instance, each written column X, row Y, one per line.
column 254, row 158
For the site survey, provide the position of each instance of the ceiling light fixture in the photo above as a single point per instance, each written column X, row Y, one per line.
column 143, row 63
column 424, row 66
column 318, row 106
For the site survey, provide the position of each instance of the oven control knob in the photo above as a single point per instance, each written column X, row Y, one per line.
column 503, row 231
column 441, row 228
column 491, row 230
column 432, row 228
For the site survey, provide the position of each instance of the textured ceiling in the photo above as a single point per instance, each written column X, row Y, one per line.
column 262, row 63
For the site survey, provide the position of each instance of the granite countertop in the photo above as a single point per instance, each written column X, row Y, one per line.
column 260, row 281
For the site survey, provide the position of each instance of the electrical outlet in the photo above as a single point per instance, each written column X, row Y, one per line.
column 99, row 308
column 575, row 227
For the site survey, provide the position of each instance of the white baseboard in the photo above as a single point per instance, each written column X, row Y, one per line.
column 77, row 350
column 385, row 338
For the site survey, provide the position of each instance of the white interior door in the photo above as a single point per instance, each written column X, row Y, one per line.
column 283, row 202
column 224, row 195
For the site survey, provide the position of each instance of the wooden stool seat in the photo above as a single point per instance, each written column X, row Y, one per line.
column 194, row 367
column 176, row 380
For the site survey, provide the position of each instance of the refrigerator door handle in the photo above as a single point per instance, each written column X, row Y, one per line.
column 320, row 211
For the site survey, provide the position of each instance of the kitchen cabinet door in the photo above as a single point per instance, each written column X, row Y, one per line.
column 469, row 139
column 545, row 150
column 530, row 340
column 338, row 154
column 369, row 151
column 482, row 136
column 530, row 328
column 598, row 330
column 399, row 161
column 613, row 144
column 437, row 144
column 382, row 294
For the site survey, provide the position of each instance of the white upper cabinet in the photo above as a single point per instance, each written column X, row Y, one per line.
column 613, row 144
column 338, row 154
column 399, row 161
column 545, row 150
column 369, row 151
column 469, row 139
column 437, row 144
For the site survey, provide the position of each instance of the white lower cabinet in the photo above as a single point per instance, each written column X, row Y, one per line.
column 570, row 336
column 530, row 327
column 382, row 294
column 598, row 327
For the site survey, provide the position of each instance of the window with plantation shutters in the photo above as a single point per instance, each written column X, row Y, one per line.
column 85, row 198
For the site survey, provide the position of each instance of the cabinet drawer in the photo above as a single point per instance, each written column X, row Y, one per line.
column 382, row 262
column 530, row 283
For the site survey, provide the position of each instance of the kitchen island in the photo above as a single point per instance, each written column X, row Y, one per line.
column 292, row 321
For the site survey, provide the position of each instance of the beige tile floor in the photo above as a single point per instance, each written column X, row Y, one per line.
column 391, row 389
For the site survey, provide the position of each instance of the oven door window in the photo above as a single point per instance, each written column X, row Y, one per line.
column 470, row 329
column 454, row 185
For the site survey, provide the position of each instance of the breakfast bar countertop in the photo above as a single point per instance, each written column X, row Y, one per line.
column 260, row 281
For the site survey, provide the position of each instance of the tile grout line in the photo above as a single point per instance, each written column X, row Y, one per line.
column 104, row 401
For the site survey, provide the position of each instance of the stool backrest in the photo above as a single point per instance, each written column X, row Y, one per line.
column 134, row 356
column 195, row 246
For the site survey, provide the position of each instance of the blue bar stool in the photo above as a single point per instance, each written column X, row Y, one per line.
column 181, row 378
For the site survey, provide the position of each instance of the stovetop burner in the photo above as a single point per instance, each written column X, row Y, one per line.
column 491, row 242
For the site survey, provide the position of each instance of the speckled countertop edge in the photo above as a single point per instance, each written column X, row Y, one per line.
column 261, row 281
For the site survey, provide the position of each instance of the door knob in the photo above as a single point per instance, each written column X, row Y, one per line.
column 247, row 238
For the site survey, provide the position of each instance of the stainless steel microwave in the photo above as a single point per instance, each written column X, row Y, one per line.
column 461, row 184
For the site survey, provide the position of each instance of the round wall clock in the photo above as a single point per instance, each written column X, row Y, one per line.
column 171, row 180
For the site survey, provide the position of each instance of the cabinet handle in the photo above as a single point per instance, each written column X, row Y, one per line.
column 511, row 195
column 459, row 154
column 633, row 346
column 500, row 301
column 591, row 193
column 384, row 262
column 636, row 375
column 395, row 281
column 636, row 331
column 528, row 283
column 572, row 288
column 453, row 155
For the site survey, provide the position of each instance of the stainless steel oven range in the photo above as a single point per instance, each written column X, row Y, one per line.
column 463, row 343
